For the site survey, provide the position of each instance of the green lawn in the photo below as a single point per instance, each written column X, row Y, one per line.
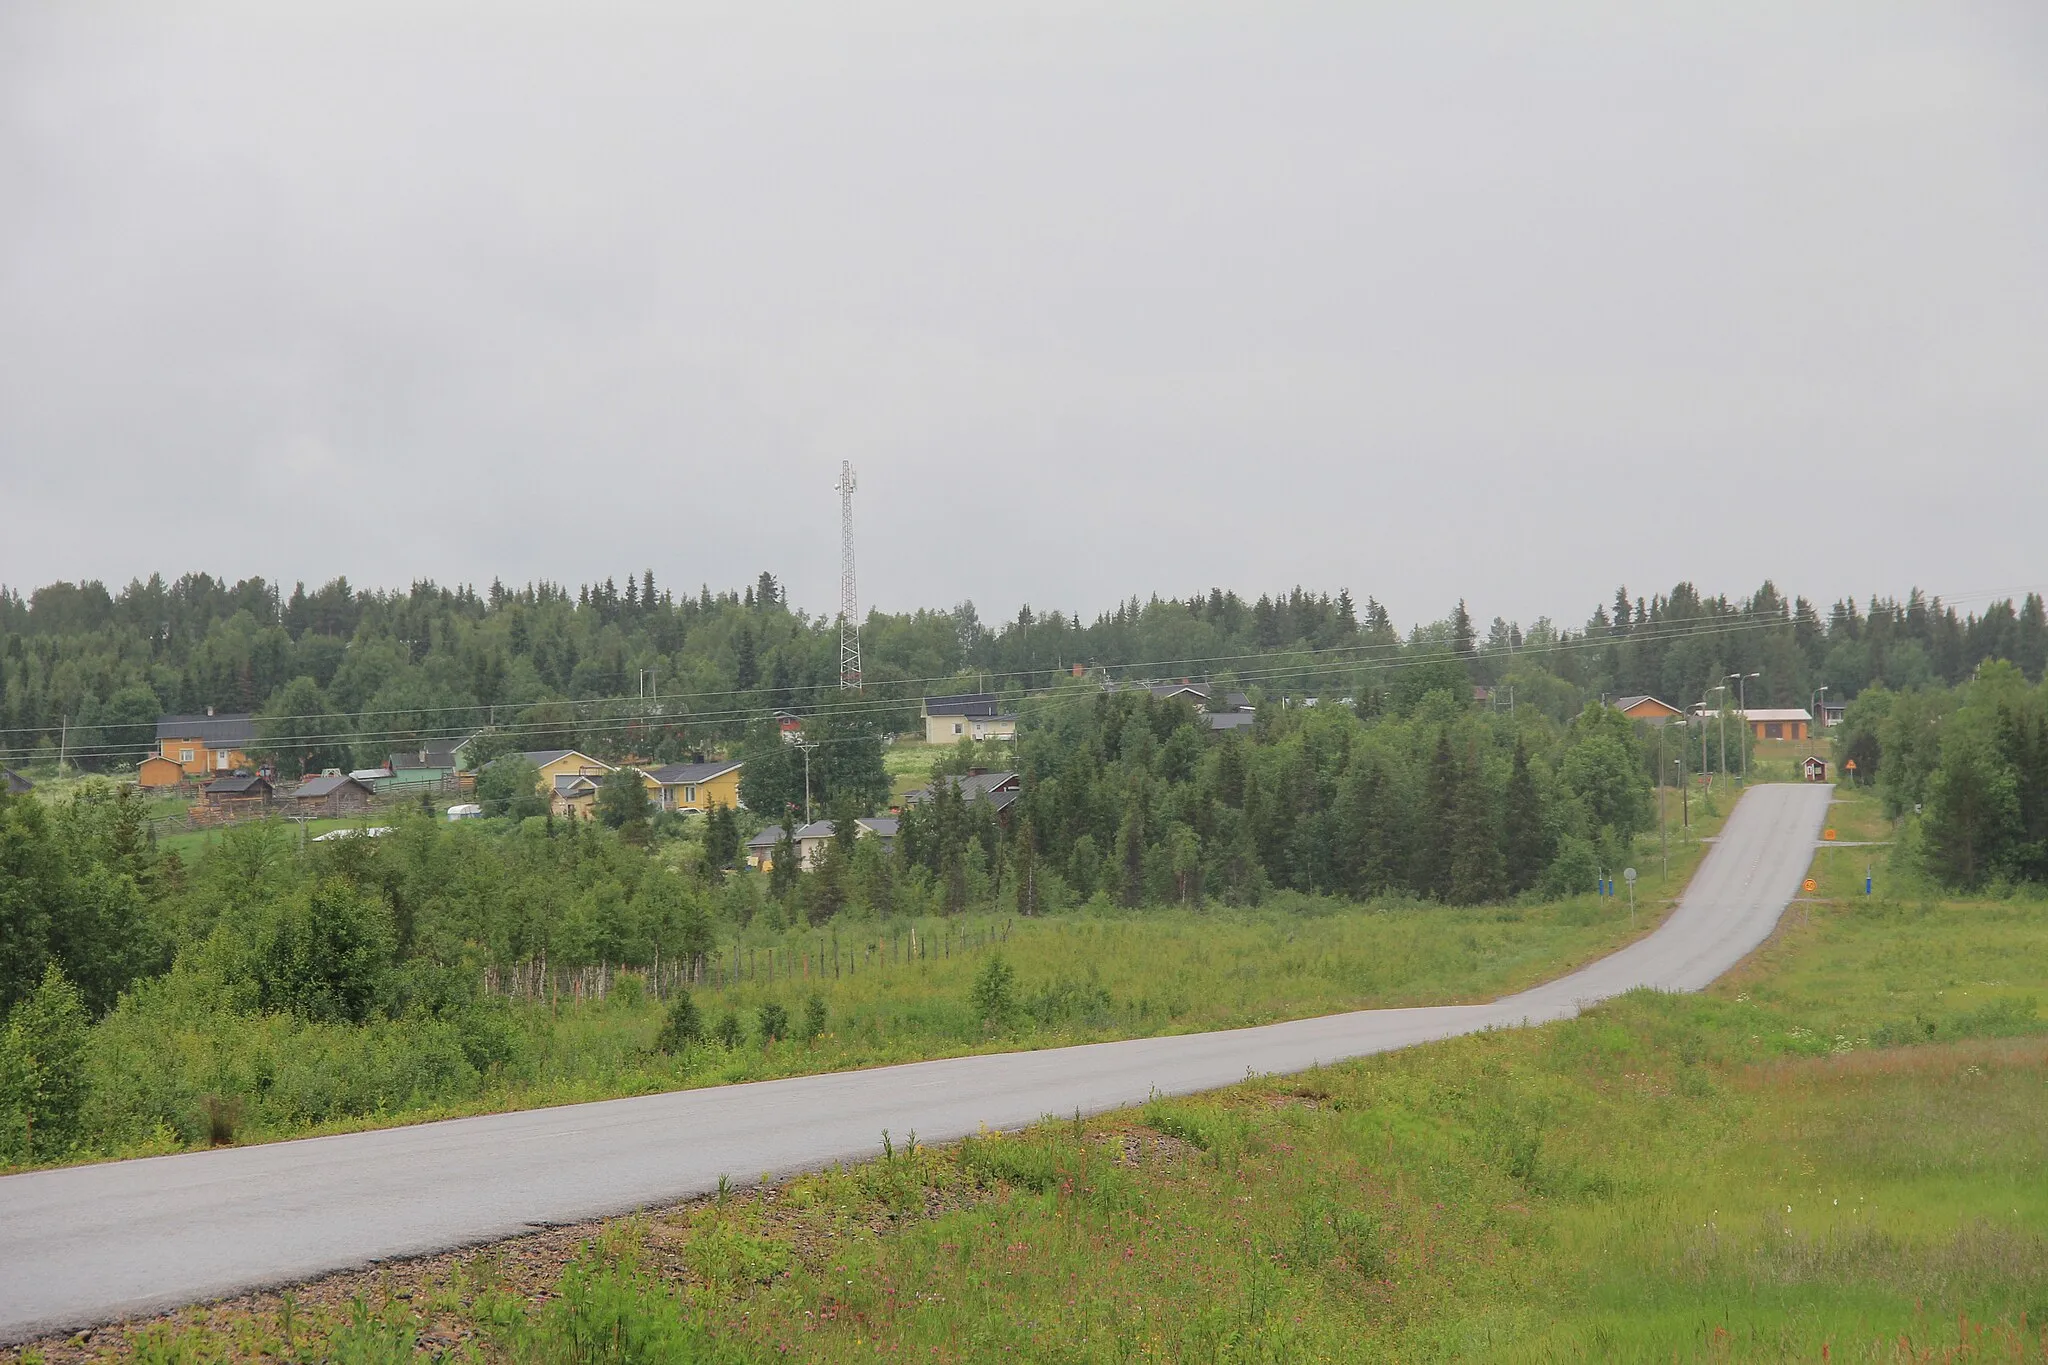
column 1765, row 1171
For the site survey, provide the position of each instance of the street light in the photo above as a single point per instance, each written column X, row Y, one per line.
column 1819, row 700
column 1722, row 770
column 1742, row 705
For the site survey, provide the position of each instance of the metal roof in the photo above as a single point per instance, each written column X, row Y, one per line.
column 964, row 704
column 215, row 732
column 676, row 774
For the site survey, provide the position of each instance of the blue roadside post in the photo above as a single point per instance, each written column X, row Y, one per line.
column 1866, row 878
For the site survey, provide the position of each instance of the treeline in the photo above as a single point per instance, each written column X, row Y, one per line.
column 1965, row 769
column 1137, row 801
column 343, row 676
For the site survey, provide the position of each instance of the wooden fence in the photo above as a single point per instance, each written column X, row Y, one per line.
column 821, row 959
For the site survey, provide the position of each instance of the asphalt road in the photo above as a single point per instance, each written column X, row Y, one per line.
column 93, row 1244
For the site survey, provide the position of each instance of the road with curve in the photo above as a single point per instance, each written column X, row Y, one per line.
column 91, row 1244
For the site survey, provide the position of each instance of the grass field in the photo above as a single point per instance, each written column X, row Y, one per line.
column 1840, row 1152
column 164, row 1064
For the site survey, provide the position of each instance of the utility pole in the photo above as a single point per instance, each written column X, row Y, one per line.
column 807, row 745
column 63, row 740
column 849, row 600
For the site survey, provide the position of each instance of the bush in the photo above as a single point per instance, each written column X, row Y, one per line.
column 682, row 1027
column 994, row 996
column 814, row 1019
column 730, row 1032
column 773, row 1021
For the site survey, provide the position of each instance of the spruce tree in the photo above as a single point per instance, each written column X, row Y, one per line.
column 1364, row 852
column 1477, row 873
column 1441, row 790
column 1524, row 841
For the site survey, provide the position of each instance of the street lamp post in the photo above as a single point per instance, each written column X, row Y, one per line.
column 1742, row 705
column 1721, row 771
column 1820, row 696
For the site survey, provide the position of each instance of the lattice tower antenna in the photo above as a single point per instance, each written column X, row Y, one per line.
column 849, row 599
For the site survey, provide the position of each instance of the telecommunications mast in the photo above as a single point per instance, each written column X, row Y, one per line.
column 849, row 600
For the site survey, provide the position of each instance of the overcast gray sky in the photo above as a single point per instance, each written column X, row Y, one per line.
column 1430, row 301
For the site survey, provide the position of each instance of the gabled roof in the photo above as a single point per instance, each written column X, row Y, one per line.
column 215, row 732
column 881, row 826
column 676, row 774
column 1777, row 713
column 568, row 784
column 237, row 784
column 540, row 758
column 1661, row 708
column 1000, row 790
column 963, row 704
column 14, row 783
column 767, row 838
column 1231, row 720
column 314, row 788
column 434, row 753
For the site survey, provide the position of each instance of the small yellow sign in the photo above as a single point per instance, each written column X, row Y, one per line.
column 1827, row 834
column 1811, row 884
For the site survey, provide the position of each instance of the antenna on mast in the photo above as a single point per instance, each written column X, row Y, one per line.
column 849, row 600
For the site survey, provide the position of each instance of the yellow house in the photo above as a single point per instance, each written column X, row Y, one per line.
column 970, row 715
column 200, row 746
column 569, row 778
column 695, row 786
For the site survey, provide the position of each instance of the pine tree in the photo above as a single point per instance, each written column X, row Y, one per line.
column 1524, row 841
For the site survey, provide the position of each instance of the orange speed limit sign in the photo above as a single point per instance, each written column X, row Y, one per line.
column 1810, row 883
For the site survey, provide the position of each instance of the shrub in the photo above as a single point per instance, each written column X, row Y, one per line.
column 730, row 1032
column 683, row 1025
column 814, row 1018
column 773, row 1021
column 994, row 995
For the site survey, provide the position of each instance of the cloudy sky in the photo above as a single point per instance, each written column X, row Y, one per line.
column 1428, row 301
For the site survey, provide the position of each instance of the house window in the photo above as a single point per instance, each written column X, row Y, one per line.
column 184, row 755
column 1773, row 730
column 689, row 796
column 958, row 727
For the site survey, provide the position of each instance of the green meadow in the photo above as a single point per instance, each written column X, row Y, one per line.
column 1840, row 1152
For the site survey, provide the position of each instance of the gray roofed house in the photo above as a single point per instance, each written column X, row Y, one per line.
column 223, row 731
column 1231, row 720
column 968, row 715
column 963, row 704
column 688, row 786
column 1001, row 790
column 1199, row 694
column 14, row 783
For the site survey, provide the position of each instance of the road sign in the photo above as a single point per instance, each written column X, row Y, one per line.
column 1628, row 874
column 1810, row 884
column 1850, row 765
column 1827, row 834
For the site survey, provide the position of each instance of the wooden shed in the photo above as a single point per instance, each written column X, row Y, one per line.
column 237, row 790
column 330, row 794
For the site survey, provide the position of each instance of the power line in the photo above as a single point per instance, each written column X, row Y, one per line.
column 872, row 706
